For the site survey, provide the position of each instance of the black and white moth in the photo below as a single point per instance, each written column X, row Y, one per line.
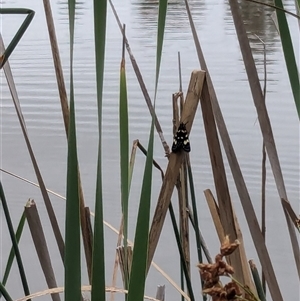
column 181, row 139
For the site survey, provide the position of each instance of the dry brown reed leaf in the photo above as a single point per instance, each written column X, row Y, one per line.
column 85, row 288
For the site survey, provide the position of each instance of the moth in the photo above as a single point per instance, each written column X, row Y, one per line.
column 181, row 139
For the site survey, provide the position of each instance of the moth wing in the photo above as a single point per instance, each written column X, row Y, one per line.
column 186, row 146
column 176, row 146
column 181, row 140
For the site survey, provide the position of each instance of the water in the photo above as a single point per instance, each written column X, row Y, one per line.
column 34, row 75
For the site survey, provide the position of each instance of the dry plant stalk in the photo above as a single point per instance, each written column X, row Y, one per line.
column 210, row 273
column 174, row 164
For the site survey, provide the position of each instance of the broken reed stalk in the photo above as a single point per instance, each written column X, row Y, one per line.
column 220, row 180
column 39, row 240
column 175, row 97
column 183, row 215
column 179, row 72
column 215, row 213
column 125, row 262
column 65, row 111
column 160, row 294
column 175, row 160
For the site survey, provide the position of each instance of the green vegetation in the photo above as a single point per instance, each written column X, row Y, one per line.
column 134, row 259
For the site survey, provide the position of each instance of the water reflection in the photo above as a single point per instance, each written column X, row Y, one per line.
column 145, row 16
column 258, row 21
column 63, row 12
column 257, row 18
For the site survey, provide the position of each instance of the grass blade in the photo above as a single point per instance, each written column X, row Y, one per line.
column 14, row 241
column 12, row 252
column 289, row 54
column 297, row 5
column 139, row 261
column 181, row 253
column 124, row 152
column 202, row 241
column 257, row 281
column 98, row 266
column 4, row 293
column 195, row 218
column 162, row 13
column 140, row 251
column 195, row 211
column 65, row 112
column 72, row 232
column 72, row 236
column 142, row 84
column 10, row 48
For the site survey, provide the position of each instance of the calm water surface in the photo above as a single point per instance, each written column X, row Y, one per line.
column 34, row 75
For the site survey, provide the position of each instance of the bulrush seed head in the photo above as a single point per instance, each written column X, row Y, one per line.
column 210, row 274
column 228, row 248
